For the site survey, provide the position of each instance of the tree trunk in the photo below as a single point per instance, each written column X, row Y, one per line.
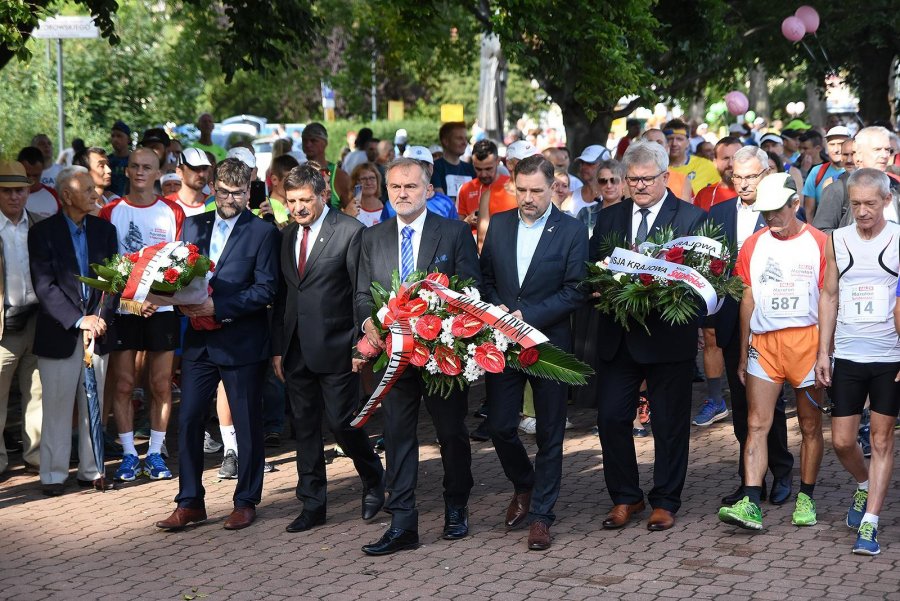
column 874, row 85
column 697, row 112
column 582, row 131
column 759, row 92
column 816, row 113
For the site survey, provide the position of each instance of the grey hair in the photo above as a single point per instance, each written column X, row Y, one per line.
column 863, row 178
column 613, row 165
column 866, row 134
column 408, row 162
column 643, row 152
column 66, row 175
column 747, row 153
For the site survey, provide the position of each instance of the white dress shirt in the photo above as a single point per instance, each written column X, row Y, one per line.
column 651, row 217
column 314, row 229
column 418, row 225
column 18, row 290
column 746, row 222
column 221, row 237
column 527, row 239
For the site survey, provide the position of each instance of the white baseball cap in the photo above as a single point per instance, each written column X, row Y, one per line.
column 170, row 177
column 244, row 155
column 771, row 137
column 774, row 191
column 401, row 137
column 420, row 153
column 838, row 131
column 521, row 149
column 593, row 153
column 194, row 157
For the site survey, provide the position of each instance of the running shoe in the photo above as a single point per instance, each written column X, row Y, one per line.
column 857, row 508
column 129, row 470
column 528, row 425
column 711, row 412
column 864, row 440
column 643, row 410
column 210, row 444
column 569, row 424
column 481, row 412
column 804, row 511
column 744, row 514
column 229, row 468
column 867, row 540
column 640, row 432
column 155, row 467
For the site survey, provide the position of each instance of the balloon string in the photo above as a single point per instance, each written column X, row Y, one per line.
column 825, row 54
column 809, row 51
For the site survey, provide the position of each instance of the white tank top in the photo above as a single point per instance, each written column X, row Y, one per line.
column 867, row 271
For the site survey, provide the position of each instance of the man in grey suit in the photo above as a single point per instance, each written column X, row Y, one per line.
column 417, row 240
column 313, row 333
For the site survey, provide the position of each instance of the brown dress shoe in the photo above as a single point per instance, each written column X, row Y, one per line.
column 619, row 515
column 518, row 508
column 661, row 519
column 181, row 518
column 240, row 518
column 539, row 536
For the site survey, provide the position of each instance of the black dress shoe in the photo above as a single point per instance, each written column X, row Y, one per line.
column 307, row 520
column 372, row 502
column 781, row 490
column 395, row 539
column 97, row 484
column 456, row 523
column 54, row 490
column 734, row 497
column 481, row 434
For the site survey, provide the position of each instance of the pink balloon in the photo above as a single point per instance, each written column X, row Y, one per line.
column 810, row 18
column 736, row 102
column 793, row 29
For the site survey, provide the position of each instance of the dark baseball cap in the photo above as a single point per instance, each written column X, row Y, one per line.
column 155, row 135
column 120, row 126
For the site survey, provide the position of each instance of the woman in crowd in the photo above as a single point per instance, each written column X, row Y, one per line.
column 368, row 178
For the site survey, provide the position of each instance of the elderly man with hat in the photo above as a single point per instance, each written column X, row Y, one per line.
column 315, row 141
column 18, row 314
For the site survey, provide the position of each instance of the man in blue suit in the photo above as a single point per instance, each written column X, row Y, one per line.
column 532, row 261
column 739, row 221
column 234, row 351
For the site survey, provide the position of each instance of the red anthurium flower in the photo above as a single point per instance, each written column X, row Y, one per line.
column 528, row 356
column 438, row 277
column 717, row 267
column 646, row 279
column 171, row 275
column 428, row 327
column 420, row 355
column 403, row 308
column 675, row 255
column 448, row 362
column 465, row 325
column 489, row 358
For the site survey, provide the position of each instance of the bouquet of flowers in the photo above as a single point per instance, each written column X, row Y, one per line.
column 441, row 325
column 168, row 273
column 672, row 276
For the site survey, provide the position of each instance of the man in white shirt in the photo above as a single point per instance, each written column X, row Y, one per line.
column 48, row 176
column 42, row 201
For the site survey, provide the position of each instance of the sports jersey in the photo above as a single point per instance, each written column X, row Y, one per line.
column 676, row 184
column 461, row 172
column 188, row 210
column 369, row 218
column 785, row 277
column 43, row 203
column 713, row 195
column 702, row 172
column 469, row 198
column 867, row 294
column 216, row 150
column 818, row 175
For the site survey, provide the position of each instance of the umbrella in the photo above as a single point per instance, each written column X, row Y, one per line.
column 94, row 410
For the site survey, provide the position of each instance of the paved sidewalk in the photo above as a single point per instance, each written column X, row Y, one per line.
column 88, row 545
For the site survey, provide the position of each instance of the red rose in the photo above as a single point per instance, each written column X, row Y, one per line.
column 212, row 266
column 133, row 257
column 646, row 279
column 171, row 275
column 447, row 361
column 489, row 358
column 438, row 277
column 675, row 255
column 192, row 248
column 192, row 260
column 366, row 349
column 717, row 266
column 528, row 356
column 428, row 327
column 420, row 355
column 465, row 325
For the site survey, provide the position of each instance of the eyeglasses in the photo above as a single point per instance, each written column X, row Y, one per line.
column 368, row 179
column 224, row 194
column 749, row 178
column 647, row 180
column 612, row 181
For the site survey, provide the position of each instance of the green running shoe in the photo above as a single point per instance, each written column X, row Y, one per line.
column 804, row 511
column 745, row 514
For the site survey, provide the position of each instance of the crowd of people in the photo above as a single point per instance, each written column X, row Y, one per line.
column 812, row 215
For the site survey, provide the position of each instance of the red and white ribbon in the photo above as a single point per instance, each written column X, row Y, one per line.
column 149, row 265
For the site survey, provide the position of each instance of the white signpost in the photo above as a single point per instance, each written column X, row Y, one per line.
column 60, row 28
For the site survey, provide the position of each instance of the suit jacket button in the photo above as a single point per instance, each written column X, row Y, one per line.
column 518, row 299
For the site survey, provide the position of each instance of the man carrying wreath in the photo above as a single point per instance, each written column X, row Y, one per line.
column 663, row 354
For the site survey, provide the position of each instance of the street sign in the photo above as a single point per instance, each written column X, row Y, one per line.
column 66, row 28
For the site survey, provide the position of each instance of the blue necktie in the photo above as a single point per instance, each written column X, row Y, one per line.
column 406, row 253
column 216, row 245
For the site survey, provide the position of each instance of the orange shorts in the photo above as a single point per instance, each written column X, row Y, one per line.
column 787, row 355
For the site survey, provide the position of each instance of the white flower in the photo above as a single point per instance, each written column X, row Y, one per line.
column 447, row 324
column 471, row 350
column 431, row 366
column 434, row 301
column 620, row 276
column 501, row 341
column 472, row 371
column 412, row 323
column 392, row 295
column 181, row 252
column 122, row 268
column 472, row 292
column 447, row 338
column 604, row 264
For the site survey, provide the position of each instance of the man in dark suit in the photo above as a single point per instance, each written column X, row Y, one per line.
column 739, row 221
column 235, row 352
column 664, row 357
column 313, row 334
column 417, row 240
column 59, row 247
column 532, row 262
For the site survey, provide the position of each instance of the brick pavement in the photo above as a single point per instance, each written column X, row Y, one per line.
column 88, row 545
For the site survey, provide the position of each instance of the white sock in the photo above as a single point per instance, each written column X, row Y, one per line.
column 862, row 485
column 156, row 441
column 229, row 438
column 871, row 517
column 127, row 440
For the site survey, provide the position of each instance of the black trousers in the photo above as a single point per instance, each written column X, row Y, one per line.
column 335, row 396
column 401, row 419
column 505, row 392
column 781, row 462
column 243, row 385
column 669, row 391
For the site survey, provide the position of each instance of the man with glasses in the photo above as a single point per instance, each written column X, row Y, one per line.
column 783, row 267
column 143, row 219
column 194, row 170
column 664, row 357
column 235, row 350
column 739, row 221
